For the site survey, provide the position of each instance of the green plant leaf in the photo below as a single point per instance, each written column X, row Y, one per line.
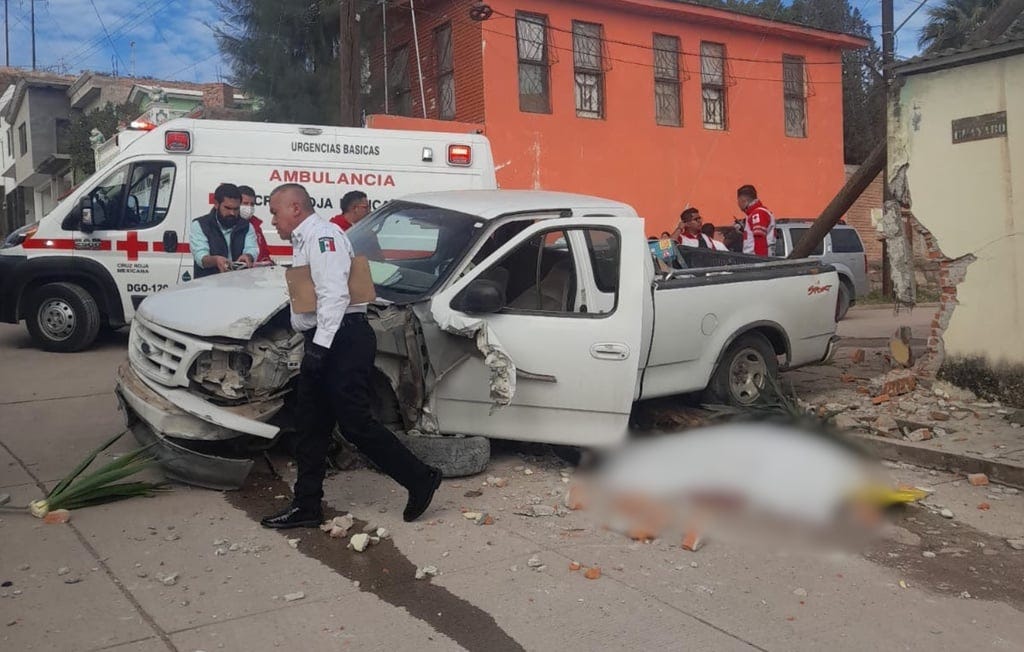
column 69, row 478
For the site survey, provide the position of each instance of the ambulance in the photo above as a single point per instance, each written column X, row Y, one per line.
column 123, row 234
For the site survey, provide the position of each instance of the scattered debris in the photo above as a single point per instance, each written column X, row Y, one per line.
column 535, row 563
column 940, row 416
column 881, row 398
column 63, row 570
column 801, row 593
column 857, row 356
column 4, row 499
column 977, row 479
column 172, row 537
column 574, row 566
column 219, row 542
column 359, row 542
column 574, row 499
column 383, row 533
column 294, row 543
column 74, row 579
column 984, row 506
column 24, row 567
column 899, row 347
column 593, row 573
column 694, row 564
column 292, row 597
column 946, row 513
column 921, row 434
column 895, row 383
column 528, row 472
column 338, row 526
column 928, row 554
column 692, row 541
column 57, row 517
column 426, row 571
column 473, row 516
column 1016, row 544
column 497, row 482
column 538, row 511
column 473, row 494
column 169, row 580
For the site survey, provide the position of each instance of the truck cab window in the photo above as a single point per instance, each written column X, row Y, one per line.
column 561, row 272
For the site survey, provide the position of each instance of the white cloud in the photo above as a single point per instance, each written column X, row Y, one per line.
column 172, row 38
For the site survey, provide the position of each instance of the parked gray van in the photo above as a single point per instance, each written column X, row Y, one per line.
column 841, row 248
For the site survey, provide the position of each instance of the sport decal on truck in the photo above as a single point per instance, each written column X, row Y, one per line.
column 818, row 288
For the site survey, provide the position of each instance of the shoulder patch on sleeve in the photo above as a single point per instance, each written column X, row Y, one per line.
column 326, row 244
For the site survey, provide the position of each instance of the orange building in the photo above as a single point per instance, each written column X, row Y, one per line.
column 658, row 103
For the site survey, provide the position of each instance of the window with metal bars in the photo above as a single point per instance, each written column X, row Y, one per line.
column 794, row 95
column 588, row 67
column 445, row 65
column 667, row 106
column 712, row 84
column 400, row 86
column 532, row 47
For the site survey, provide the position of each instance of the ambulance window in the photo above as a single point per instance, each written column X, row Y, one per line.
column 149, row 195
column 107, row 197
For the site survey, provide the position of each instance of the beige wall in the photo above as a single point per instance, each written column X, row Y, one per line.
column 971, row 197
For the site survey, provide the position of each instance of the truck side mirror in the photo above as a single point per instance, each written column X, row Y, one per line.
column 85, row 220
column 482, row 296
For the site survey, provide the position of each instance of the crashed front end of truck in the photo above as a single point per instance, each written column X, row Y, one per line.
column 212, row 366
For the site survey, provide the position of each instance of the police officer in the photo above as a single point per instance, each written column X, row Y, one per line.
column 334, row 378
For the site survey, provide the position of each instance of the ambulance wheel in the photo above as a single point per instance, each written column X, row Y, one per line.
column 62, row 317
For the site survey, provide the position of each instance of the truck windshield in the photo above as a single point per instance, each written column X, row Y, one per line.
column 412, row 247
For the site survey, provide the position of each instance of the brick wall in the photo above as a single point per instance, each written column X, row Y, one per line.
column 218, row 95
column 859, row 217
column 467, row 57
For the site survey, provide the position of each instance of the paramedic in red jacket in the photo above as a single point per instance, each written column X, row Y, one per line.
column 246, row 210
column 354, row 206
column 759, row 227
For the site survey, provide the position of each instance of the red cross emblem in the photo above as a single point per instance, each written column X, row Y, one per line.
column 132, row 245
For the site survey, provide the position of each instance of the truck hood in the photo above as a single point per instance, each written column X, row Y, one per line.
column 233, row 304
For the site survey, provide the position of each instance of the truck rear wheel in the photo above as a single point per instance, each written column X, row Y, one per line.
column 744, row 372
column 62, row 317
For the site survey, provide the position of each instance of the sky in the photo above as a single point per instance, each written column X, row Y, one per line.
column 174, row 40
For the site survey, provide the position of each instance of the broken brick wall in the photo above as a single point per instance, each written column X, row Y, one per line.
column 967, row 212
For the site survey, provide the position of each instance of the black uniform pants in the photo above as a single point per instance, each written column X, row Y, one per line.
column 340, row 394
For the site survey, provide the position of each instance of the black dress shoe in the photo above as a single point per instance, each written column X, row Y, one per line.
column 293, row 517
column 421, row 495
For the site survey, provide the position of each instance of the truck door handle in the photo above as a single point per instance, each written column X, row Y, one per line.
column 609, row 351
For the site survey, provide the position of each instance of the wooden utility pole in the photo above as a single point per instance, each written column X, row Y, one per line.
column 350, row 65
column 888, row 56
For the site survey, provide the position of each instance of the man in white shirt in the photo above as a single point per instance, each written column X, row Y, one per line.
column 688, row 232
column 334, row 378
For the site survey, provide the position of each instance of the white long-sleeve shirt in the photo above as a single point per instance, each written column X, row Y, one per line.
column 328, row 252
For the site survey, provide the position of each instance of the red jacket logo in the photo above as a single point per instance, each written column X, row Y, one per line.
column 818, row 289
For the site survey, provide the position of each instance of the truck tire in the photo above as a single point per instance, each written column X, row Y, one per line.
column 844, row 302
column 62, row 317
column 456, row 455
column 744, row 372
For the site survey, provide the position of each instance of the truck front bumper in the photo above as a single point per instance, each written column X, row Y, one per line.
column 189, row 449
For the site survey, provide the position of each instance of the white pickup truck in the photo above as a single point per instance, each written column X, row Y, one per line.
column 532, row 316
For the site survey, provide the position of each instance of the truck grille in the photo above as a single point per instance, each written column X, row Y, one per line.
column 159, row 355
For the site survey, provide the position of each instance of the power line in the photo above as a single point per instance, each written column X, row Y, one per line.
column 86, row 49
column 110, row 40
column 911, row 15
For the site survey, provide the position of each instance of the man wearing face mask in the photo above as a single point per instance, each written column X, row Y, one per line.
column 247, row 211
column 221, row 237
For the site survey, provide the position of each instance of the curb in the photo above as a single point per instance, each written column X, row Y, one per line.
column 920, row 455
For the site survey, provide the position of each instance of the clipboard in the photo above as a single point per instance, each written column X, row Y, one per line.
column 302, row 293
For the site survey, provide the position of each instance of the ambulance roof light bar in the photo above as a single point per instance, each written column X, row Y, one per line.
column 142, row 125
